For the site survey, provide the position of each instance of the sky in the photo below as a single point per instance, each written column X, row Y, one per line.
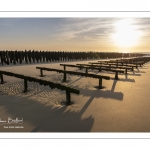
column 76, row 34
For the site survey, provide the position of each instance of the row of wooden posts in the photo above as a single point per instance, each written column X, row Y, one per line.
column 14, row 57
column 74, row 73
column 41, row 82
column 106, row 67
column 102, row 65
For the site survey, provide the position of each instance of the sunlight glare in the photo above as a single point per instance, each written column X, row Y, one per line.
column 126, row 34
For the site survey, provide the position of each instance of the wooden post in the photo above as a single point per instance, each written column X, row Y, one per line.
column 132, row 68
column 25, row 85
column 86, row 70
column 64, row 68
column 100, row 83
column 41, row 71
column 126, row 71
column 80, row 67
column 64, row 80
column 140, row 64
column 99, row 69
column 2, row 80
column 136, row 66
column 109, row 66
column 116, row 75
column 67, row 97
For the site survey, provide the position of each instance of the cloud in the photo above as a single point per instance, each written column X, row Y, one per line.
column 86, row 29
column 143, row 24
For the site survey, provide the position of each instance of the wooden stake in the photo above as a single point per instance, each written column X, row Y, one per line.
column 100, row 82
column 64, row 80
column 64, row 68
column 67, row 97
column 80, row 67
column 116, row 75
column 2, row 80
column 41, row 71
column 87, row 70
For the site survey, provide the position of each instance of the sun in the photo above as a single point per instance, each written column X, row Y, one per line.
column 126, row 34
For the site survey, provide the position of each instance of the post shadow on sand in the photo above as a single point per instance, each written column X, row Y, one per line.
column 100, row 92
column 144, row 67
column 139, row 71
column 120, row 79
column 126, row 79
column 103, row 93
column 61, row 78
column 45, row 118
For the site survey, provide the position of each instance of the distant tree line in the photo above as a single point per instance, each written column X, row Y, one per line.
column 32, row 56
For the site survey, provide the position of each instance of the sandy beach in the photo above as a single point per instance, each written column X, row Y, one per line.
column 122, row 106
